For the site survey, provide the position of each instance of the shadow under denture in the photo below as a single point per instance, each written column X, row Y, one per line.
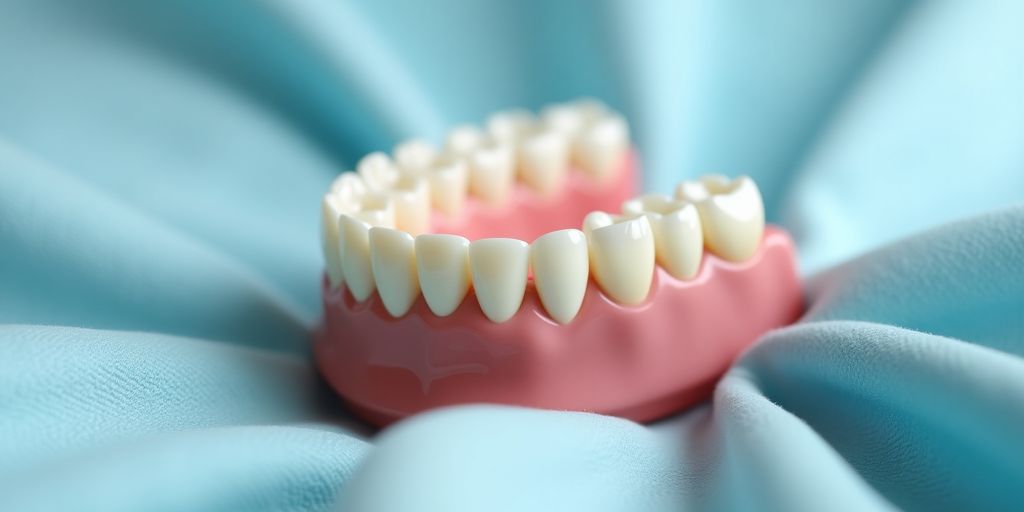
column 639, row 362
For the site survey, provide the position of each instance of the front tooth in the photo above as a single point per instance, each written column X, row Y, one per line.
column 509, row 126
column 356, row 265
column 732, row 216
column 378, row 171
column 544, row 161
column 602, row 146
column 449, row 181
column 463, row 140
column 678, row 237
column 622, row 257
column 414, row 156
column 499, row 267
column 331, row 209
column 561, row 268
column 442, row 262
column 393, row 259
column 492, row 173
column 412, row 204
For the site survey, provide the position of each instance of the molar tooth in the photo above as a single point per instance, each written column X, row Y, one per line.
column 561, row 268
column 412, row 204
column 331, row 209
column 544, row 161
column 602, row 146
column 378, row 171
column 499, row 267
column 377, row 210
column 449, row 181
column 492, row 173
column 393, row 260
column 509, row 126
column 731, row 214
column 442, row 262
column 463, row 140
column 622, row 258
column 414, row 156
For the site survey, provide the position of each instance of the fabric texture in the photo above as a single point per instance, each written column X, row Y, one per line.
column 161, row 165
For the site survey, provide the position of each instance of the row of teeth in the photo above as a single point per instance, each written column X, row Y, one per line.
column 619, row 250
column 538, row 151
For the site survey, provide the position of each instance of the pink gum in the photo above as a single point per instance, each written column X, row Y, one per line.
column 641, row 362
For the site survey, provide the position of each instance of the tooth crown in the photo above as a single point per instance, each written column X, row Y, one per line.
column 375, row 223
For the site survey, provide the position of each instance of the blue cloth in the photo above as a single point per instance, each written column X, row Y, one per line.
column 161, row 165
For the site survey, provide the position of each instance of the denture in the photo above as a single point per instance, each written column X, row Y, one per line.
column 516, row 265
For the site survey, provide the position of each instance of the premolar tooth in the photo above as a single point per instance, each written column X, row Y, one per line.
column 348, row 187
column 561, row 268
column 499, row 267
column 544, row 160
column 509, row 126
column 442, row 262
column 378, row 171
column 331, row 209
column 356, row 266
column 597, row 219
column 697, row 191
column 492, row 173
column 564, row 118
column 731, row 213
column 622, row 259
column 414, row 156
column 412, row 204
column 602, row 146
column 449, row 181
column 678, row 237
column 393, row 259
column 463, row 140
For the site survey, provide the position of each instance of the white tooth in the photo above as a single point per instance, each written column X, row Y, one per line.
column 597, row 219
column 602, row 146
column 442, row 262
column 697, row 191
column 678, row 237
column 411, row 195
column 499, row 267
column 561, row 269
column 544, row 161
column 509, row 126
column 463, row 140
column 566, row 119
column 732, row 216
column 622, row 258
column 393, row 258
column 590, row 109
column 449, row 181
column 348, row 187
column 355, row 248
column 331, row 209
column 378, row 171
column 414, row 156
column 492, row 173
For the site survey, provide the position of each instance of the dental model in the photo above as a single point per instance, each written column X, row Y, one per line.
column 458, row 275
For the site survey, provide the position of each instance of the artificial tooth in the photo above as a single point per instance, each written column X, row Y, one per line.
column 414, row 156
column 602, row 146
column 590, row 109
column 492, row 173
column 561, row 268
column 597, row 219
column 544, row 161
column 442, row 262
column 731, row 214
column 499, row 268
column 393, row 260
column 412, row 204
column 348, row 187
column 378, row 171
column 510, row 126
column 355, row 246
column 678, row 237
column 449, row 181
column 463, row 140
column 331, row 209
column 564, row 118
column 622, row 259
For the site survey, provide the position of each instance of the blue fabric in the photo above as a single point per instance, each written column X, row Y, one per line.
column 160, row 172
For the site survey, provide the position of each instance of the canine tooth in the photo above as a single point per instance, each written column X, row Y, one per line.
column 463, row 140
column 442, row 262
column 414, row 156
column 331, row 209
column 733, row 218
column 492, row 172
column 355, row 247
column 678, row 236
column 509, row 126
column 393, row 260
column 412, row 204
column 544, row 160
column 499, row 267
column 561, row 268
column 378, row 171
column 622, row 258
column 602, row 145
column 449, row 181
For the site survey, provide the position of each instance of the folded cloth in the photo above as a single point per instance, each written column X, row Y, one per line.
column 161, row 166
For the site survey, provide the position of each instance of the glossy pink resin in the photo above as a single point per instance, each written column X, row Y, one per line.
column 640, row 362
